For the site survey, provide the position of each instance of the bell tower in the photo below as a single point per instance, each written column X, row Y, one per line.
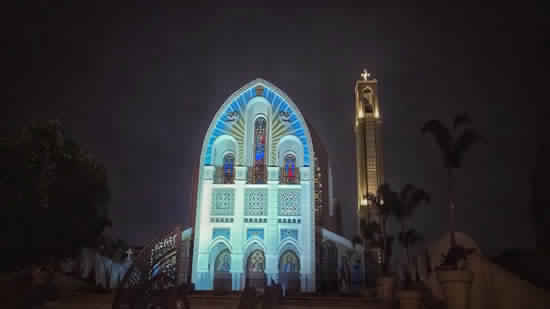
column 368, row 140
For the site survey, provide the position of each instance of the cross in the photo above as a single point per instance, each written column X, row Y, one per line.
column 365, row 74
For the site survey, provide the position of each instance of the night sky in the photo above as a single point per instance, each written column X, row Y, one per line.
column 139, row 87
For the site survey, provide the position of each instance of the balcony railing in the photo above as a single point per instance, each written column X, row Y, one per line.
column 289, row 178
column 256, row 175
column 220, row 177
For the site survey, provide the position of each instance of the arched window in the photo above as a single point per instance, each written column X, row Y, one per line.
column 228, row 168
column 366, row 100
column 290, row 165
column 260, row 138
column 289, row 170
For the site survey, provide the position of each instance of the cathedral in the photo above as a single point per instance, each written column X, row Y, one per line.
column 264, row 205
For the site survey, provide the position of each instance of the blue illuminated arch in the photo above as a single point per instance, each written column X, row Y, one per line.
column 226, row 119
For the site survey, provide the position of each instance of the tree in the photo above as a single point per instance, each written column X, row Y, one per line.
column 54, row 193
column 453, row 143
column 410, row 198
column 408, row 239
column 374, row 233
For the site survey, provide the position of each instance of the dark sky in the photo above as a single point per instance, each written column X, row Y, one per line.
column 139, row 87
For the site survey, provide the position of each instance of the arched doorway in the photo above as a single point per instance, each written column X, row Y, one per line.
column 221, row 268
column 289, row 262
column 289, row 271
column 223, row 262
column 255, row 267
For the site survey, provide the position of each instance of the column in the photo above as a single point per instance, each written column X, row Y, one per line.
column 271, row 228
column 307, row 230
column 237, row 229
column 202, row 278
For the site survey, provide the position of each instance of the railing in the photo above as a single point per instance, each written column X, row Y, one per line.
column 292, row 178
column 256, row 175
column 220, row 177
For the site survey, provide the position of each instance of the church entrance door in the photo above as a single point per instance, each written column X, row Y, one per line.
column 289, row 272
column 222, row 274
column 255, row 267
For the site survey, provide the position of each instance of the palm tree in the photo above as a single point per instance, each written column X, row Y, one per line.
column 408, row 239
column 375, row 232
column 453, row 144
column 410, row 198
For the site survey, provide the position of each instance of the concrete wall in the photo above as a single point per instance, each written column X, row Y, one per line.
column 494, row 287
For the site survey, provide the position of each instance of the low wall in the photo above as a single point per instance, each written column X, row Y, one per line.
column 495, row 287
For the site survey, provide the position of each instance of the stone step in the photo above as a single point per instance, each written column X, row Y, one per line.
column 330, row 302
column 231, row 300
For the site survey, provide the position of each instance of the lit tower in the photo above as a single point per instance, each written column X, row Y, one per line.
column 368, row 140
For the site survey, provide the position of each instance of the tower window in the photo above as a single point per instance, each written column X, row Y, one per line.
column 366, row 100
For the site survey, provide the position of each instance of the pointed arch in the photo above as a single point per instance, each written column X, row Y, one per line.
column 289, row 262
column 287, row 119
column 252, row 246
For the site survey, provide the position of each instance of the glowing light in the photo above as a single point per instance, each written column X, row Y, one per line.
column 361, row 114
column 376, row 114
column 365, row 75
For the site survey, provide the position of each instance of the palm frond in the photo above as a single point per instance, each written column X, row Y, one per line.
column 409, row 199
column 464, row 142
column 384, row 191
column 369, row 230
column 409, row 237
column 442, row 136
column 406, row 191
column 417, row 197
column 461, row 120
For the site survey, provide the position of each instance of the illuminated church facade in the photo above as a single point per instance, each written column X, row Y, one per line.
column 264, row 207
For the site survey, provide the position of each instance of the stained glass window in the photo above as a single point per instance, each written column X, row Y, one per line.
column 228, row 168
column 256, row 261
column 290, row 168
column 259, row 149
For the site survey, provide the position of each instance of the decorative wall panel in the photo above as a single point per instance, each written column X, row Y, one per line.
column 222, row 202
column 289, row 202
column 256, row 202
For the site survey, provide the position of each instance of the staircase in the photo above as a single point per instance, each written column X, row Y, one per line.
column 231, row 300
column 322, row 302
column 204, row 300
